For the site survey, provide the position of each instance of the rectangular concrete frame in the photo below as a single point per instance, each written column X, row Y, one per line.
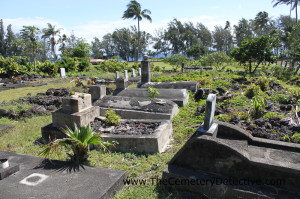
column 154, row 143
column 88, row 182
column 179, row 96
column 135, row 114
column 189, row 85
column 83, row 118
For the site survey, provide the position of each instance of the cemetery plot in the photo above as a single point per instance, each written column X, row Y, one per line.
column 137, row 136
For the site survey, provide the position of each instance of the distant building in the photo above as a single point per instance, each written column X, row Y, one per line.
column 96, row 61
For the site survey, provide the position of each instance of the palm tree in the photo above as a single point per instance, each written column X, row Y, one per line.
column 50, row 33
column 294, row 5
column 134, row 11
column 260, row 23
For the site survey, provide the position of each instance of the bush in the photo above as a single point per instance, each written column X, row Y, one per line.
column 152, row 92
column 112, row 65
column 48, row 67
column 252, row 91
column 83, row 64
column 112, row 118
column 282, row 99
column 283, row 73
column 69, row 63
column 272, row 114
column 258, row 106
column 156, row 69
column 263, row 83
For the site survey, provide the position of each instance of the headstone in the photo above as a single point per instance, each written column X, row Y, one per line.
column 126, row 74
column 146, row 70
column 209, row 111
column 97, row 92
column 62, row 72
column 133, row 73
column 117, row 75
column 76, row 103
column 139, row 71
column 122, row 83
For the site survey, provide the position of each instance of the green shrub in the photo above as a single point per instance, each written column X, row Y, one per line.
column 252, row 91
column 258, row 106
column 282, row 99
column 295, row 93
column 152, row 92
column 296, row 136
column 238, row 102
column 156, row 69
column 223, row 118
column 112, row 119
column 69, row 63
column 263, row 83
column 48, row 67
column 83, row 64
column 283, row 73
column 272, row 114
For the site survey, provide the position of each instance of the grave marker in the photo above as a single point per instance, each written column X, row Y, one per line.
column 209, row 111
column 133, row 73
column 146, row 70
column 126, row 74
column 62, row 72
column 139, row 71
column 117, row 75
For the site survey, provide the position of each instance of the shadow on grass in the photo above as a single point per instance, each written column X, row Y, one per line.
column 60, row 166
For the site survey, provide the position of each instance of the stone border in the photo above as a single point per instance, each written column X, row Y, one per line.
column 154, row 143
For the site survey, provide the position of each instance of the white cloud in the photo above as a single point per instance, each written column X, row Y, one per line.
column 99, row 28
column 40, row 22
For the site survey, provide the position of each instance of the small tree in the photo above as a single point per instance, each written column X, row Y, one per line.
column 176, row 60
column 256, row 50
column 196, row 51
column 219, row 58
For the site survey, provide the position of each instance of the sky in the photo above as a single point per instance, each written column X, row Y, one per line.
column 95, row 18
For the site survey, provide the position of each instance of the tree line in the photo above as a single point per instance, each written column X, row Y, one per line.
column 177, row 38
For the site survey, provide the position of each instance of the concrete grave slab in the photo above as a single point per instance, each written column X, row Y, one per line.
column 179, row 96
column 77, row 102
column 39, row 179
column 189, row 85
column 153, row 143
column 232, row 153
column 138, row 108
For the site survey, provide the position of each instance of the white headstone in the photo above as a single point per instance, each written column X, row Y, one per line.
column 117, row 75
column 140, row 71
column 62, row 72
column 133, row 73
column 126, row 74
column 209, row 111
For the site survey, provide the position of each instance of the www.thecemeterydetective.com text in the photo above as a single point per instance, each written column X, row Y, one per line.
column 204, row 182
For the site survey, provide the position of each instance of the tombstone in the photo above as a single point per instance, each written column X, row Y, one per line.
column 117, row 75
column 121, row 83
column 209, row 111
column 126, row 74
column 133, row 73
column 146, row 70
column 182, row 67
column 97, row 92
column 62, row 72
column 139, row 71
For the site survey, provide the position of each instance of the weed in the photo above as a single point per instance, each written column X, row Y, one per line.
column 258, row 106
column 112, row 119
column 152, row 92
column 263, row 83
column 296, row 136
column 272, row 114
column 252, row 91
